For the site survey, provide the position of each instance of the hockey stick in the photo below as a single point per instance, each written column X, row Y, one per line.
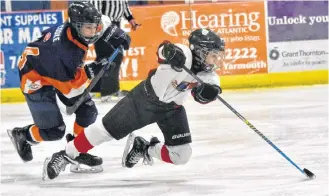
column 305, row 171
column 106, row 65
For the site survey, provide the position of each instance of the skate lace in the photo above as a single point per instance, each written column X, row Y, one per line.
column 58, row 164
column 135, row 157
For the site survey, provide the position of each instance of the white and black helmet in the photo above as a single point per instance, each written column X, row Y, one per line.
column 204, row 42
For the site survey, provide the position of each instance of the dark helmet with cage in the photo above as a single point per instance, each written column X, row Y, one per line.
column 86, row 20
column 208, row 50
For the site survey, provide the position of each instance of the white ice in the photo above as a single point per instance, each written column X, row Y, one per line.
column 229, row 159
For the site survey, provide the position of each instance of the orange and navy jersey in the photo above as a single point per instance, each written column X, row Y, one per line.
column 56, row 59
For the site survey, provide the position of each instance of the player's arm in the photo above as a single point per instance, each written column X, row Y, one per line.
column 173, row 55
column 170, row 65
column 208, row 91
column 112, row 38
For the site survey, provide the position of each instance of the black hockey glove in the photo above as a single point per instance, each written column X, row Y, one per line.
column 116, row 37
column 112, row 38
column 90, row 70
column 174, row 56
column 206, row 93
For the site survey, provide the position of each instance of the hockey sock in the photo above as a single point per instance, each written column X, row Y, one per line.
column 77, row 129
column 92, row 136
column 160, row 152
column 33, row 134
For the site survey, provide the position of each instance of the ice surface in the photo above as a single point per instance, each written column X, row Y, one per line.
column 229, row 159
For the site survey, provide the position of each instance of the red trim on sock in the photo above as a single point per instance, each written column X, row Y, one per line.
column 81, row 143
column 165, row 154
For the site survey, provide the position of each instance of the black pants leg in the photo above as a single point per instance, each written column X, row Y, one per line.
column 132, row 112
column 109, row 83
column 138, row 109
column 110, row 80
column 46, row 115
column 175, row 127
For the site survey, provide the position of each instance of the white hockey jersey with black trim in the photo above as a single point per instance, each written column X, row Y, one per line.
column 170, row 85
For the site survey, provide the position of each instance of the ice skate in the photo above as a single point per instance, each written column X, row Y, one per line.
column 22, row 146
column 138, row 151
column 85, row 162
column 53, row 166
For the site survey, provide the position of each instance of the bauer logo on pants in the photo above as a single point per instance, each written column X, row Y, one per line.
column 180, row 135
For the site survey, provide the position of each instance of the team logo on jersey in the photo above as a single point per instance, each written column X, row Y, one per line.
column 47, row 37
column 31, row 86
column 35, row 86
column 183, row 86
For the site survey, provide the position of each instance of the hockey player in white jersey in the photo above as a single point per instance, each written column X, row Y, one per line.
column 158, row 99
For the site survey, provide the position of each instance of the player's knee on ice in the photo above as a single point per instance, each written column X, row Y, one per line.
column 180, row 155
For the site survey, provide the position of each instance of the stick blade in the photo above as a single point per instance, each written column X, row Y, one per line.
column 309, row 174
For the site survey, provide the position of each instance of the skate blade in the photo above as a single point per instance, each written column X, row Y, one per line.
column 129, row 143
column 44, row 171
column 10, row 134
column 76, row 168
column 11, row 137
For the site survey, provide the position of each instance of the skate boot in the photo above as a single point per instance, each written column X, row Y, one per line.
column 56, row 164
column 93, row 163
column 19, row 140
column 138, row 151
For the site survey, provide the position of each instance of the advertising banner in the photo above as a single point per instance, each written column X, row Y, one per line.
column 241, row 25
column 17, row 30
column 298, row 35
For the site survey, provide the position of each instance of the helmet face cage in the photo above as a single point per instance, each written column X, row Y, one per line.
column 210, row 59
column 88, row 40
column 208, row 49
column 85, row 18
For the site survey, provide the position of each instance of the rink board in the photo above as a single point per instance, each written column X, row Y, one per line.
column 227, row 82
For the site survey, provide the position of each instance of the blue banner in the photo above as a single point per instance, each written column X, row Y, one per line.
column 17, row 30
column 298, row 35
column 297, row 20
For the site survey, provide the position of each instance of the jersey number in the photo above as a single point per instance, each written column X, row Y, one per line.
column 34, row 51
